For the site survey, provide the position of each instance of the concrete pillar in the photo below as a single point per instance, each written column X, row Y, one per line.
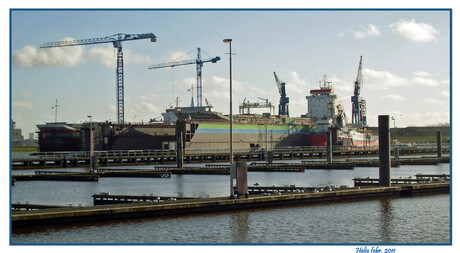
column 95, row 163
column 329, row 146
column 270, row 157
column 384, row 151
column 242, row 179
column 439, row 144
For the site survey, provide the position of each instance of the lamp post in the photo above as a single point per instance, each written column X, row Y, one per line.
column 91, row 145
column 231, row 120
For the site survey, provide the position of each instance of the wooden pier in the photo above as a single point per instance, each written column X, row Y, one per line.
column 419, row 179
column 107, row 198
column 46, row 217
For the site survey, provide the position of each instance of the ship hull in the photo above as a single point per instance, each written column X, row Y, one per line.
column 216, row 136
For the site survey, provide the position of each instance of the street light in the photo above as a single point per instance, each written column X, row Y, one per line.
column 231, row 120
column 91, row 144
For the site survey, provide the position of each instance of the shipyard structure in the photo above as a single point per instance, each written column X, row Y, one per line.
column 205, row 129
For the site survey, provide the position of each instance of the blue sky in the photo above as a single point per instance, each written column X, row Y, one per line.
column 405, row 60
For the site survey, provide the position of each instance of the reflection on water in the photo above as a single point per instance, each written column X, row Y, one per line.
column 390, row 220
column 370, row 222
column 239, row 227
column 386, row 219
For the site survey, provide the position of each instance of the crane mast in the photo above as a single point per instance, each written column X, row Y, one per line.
column 116, row 40
column 283, row 107
column 199, row 66
column 358, row 115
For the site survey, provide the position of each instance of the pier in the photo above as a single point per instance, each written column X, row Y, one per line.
column 46, row 217
column 159, row 157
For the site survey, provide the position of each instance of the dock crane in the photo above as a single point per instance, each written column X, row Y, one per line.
column 199, row 65
column 283, row 108
column 358, row 115
column 116, row 40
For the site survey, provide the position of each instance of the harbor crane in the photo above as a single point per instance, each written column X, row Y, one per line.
column 358, row 115
column 116, row 40
column 199, row 65
column 283, row 108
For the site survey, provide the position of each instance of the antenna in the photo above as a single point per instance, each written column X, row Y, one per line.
column 55, row 107
column 177, row 101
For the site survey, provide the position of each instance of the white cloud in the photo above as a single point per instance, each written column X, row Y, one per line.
column 422, row 74
column 365, row 32
column 110, row 109
column 105, row 55
column 433, row 101
column 30, row 56
column 393, row 97
column 413, row 31
column 382, row 80
column 375, row 79
column 444, row 93
column 369, row 31
column 425, row 81
column 22, row 105
column 144, row 107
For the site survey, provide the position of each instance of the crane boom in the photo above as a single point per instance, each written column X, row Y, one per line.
column 199, row 65
column 180, row 63
column 358, row 113
column 116, row 40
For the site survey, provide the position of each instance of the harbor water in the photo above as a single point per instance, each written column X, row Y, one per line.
column 408, row 220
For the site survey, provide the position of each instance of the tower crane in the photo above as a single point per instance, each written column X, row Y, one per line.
column 199, row 65
column 116, row 40
column 358, row 115
column 283, row 108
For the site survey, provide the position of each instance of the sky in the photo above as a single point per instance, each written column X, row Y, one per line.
column 406, row 62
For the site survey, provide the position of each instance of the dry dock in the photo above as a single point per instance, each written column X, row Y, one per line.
column 46, row 217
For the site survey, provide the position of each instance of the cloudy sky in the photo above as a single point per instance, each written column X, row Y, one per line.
column 406, row 61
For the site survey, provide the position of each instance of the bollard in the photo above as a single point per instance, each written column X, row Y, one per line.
column 384, row 151
column 329, row 146
column 95, row 163
column 439, row 144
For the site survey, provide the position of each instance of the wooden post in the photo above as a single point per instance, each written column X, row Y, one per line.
column 384, row 151
column 329, row 146
column 439, row 143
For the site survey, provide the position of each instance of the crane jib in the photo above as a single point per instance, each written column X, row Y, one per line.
column 109, row 39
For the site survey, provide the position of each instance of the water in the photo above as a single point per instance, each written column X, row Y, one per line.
column 411, row 220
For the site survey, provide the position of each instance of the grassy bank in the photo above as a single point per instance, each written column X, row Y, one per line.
column 24, row 149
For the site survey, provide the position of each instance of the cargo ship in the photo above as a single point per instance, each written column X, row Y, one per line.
column 325, row 113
